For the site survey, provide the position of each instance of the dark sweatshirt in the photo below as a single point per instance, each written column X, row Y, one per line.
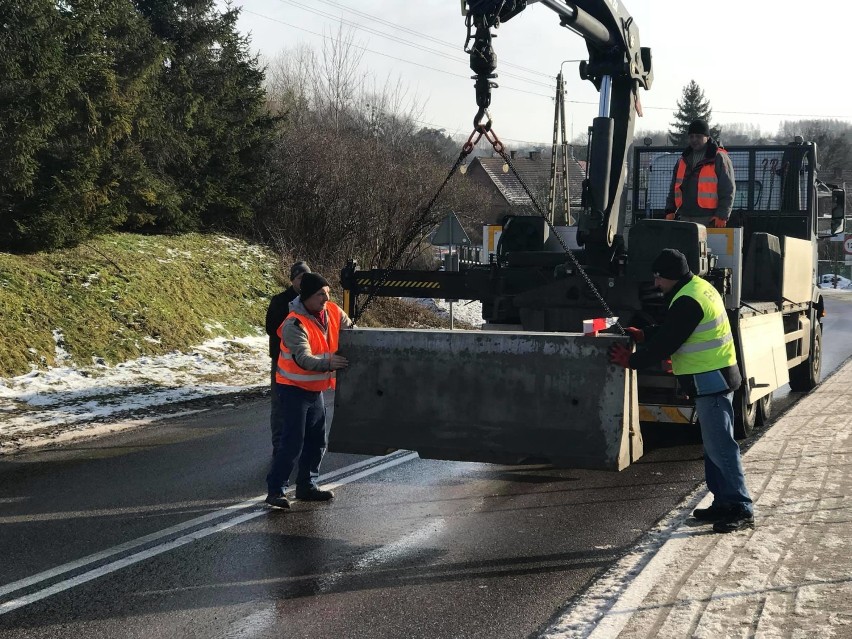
column 682, row 318
column 279, row 308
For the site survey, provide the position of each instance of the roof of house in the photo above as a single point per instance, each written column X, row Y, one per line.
column 535, row 174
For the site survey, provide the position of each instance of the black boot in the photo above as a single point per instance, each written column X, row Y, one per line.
column 738, row 519
column 277, row 501
column 314, row 494
column 713, row 513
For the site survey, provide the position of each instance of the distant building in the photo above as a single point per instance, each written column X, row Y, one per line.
column 507, row 196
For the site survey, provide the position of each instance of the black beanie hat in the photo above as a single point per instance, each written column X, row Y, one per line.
column 700, row 127
column 298, row 268
column 311, row 283
column 670, row 264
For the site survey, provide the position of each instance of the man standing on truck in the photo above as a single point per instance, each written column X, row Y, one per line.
column 697, row 336
column 306, row 367
column 703, row 185
column 279, row 308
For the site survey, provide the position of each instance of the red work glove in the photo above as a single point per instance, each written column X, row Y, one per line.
column 619, row 354
column 637, row 334
column 718, row 222
column 672, row 215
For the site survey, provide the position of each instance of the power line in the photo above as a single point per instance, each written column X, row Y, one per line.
column 399, row 40
column 419, row 34
column 517, row 90
column 392, row 57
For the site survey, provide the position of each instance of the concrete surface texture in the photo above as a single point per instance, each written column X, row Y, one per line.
column 789, row 577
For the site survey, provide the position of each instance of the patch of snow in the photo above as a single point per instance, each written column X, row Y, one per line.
column 469, row 311
column 57, row 403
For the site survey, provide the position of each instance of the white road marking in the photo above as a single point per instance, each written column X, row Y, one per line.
column 376, row 464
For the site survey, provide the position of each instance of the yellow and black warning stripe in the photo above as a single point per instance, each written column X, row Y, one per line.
column 400, row 283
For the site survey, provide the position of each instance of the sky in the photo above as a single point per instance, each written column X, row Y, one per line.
column 758, row 62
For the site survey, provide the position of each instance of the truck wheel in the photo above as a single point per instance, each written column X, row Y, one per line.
column 764, row 411
column 807, row 375
column 745, row 415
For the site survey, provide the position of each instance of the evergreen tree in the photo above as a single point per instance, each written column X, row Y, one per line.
column 206, row 129
column 74, row 73
column 691, row 106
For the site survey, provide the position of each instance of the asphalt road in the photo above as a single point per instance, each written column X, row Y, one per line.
column 154, row 533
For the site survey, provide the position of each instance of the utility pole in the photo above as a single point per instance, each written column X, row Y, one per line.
column 559, row 128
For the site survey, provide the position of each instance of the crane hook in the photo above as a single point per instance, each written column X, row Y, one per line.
column 477, row 120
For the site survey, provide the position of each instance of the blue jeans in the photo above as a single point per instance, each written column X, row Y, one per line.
column 723, row 465
column 300, row 420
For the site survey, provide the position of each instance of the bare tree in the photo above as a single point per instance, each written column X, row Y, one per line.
column 351, row 175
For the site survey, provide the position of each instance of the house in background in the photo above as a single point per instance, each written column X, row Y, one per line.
column 507, row 196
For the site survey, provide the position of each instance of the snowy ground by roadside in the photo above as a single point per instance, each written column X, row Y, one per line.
column 67, row 401
column 70, row 401
column 463, row 311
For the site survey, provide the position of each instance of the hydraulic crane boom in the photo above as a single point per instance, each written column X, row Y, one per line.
column 618, row 66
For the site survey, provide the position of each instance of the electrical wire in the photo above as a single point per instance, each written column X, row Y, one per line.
column 515, row 76
column 434, row 52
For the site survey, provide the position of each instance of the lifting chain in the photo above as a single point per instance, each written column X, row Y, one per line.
column 467, row 148
column 479, row 131
column 500, row 149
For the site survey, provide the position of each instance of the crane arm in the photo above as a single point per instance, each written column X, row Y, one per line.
column 617, row 66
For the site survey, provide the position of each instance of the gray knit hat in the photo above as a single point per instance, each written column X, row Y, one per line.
column 298, row 268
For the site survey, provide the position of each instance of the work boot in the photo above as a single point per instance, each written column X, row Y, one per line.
column 314, row 494
column 738, row 519
column 713, row 513
column 277, row 501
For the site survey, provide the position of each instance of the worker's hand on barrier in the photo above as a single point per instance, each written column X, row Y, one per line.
column 718, row 222
column 637, row 334
column 338, row 362
column 619, row 354
column 671, row 215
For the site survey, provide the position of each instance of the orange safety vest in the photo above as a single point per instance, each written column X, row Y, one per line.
column 323, row 344
column 708, row 183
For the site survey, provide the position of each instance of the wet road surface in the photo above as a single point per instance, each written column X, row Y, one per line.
column 168, row 541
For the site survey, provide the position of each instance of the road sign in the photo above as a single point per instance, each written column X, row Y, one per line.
column 450, row 233
column 847, row 244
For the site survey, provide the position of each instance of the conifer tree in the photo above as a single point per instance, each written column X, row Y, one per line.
column 71, row 77
column 207, row 128
column 692, row 106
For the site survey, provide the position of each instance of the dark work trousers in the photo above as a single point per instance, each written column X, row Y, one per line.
column 274, row 413
column 302, row 436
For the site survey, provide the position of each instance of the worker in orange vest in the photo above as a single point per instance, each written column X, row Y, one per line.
column 306, row 367
column 703, row 185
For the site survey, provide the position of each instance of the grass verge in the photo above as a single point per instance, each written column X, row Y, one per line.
column 123, row 296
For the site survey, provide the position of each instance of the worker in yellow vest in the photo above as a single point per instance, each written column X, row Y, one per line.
column 697, row 336
column 703, row 186
column 306, row 367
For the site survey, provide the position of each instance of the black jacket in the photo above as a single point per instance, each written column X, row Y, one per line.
column 664, row 339
column 279, row 308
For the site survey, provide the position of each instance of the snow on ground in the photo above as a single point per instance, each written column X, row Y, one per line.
column 61, row 403
column 70, row 401
column 469, row 311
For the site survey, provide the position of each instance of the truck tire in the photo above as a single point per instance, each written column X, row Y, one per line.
column 764, row 411
column 805, row 376
column 745, row 415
